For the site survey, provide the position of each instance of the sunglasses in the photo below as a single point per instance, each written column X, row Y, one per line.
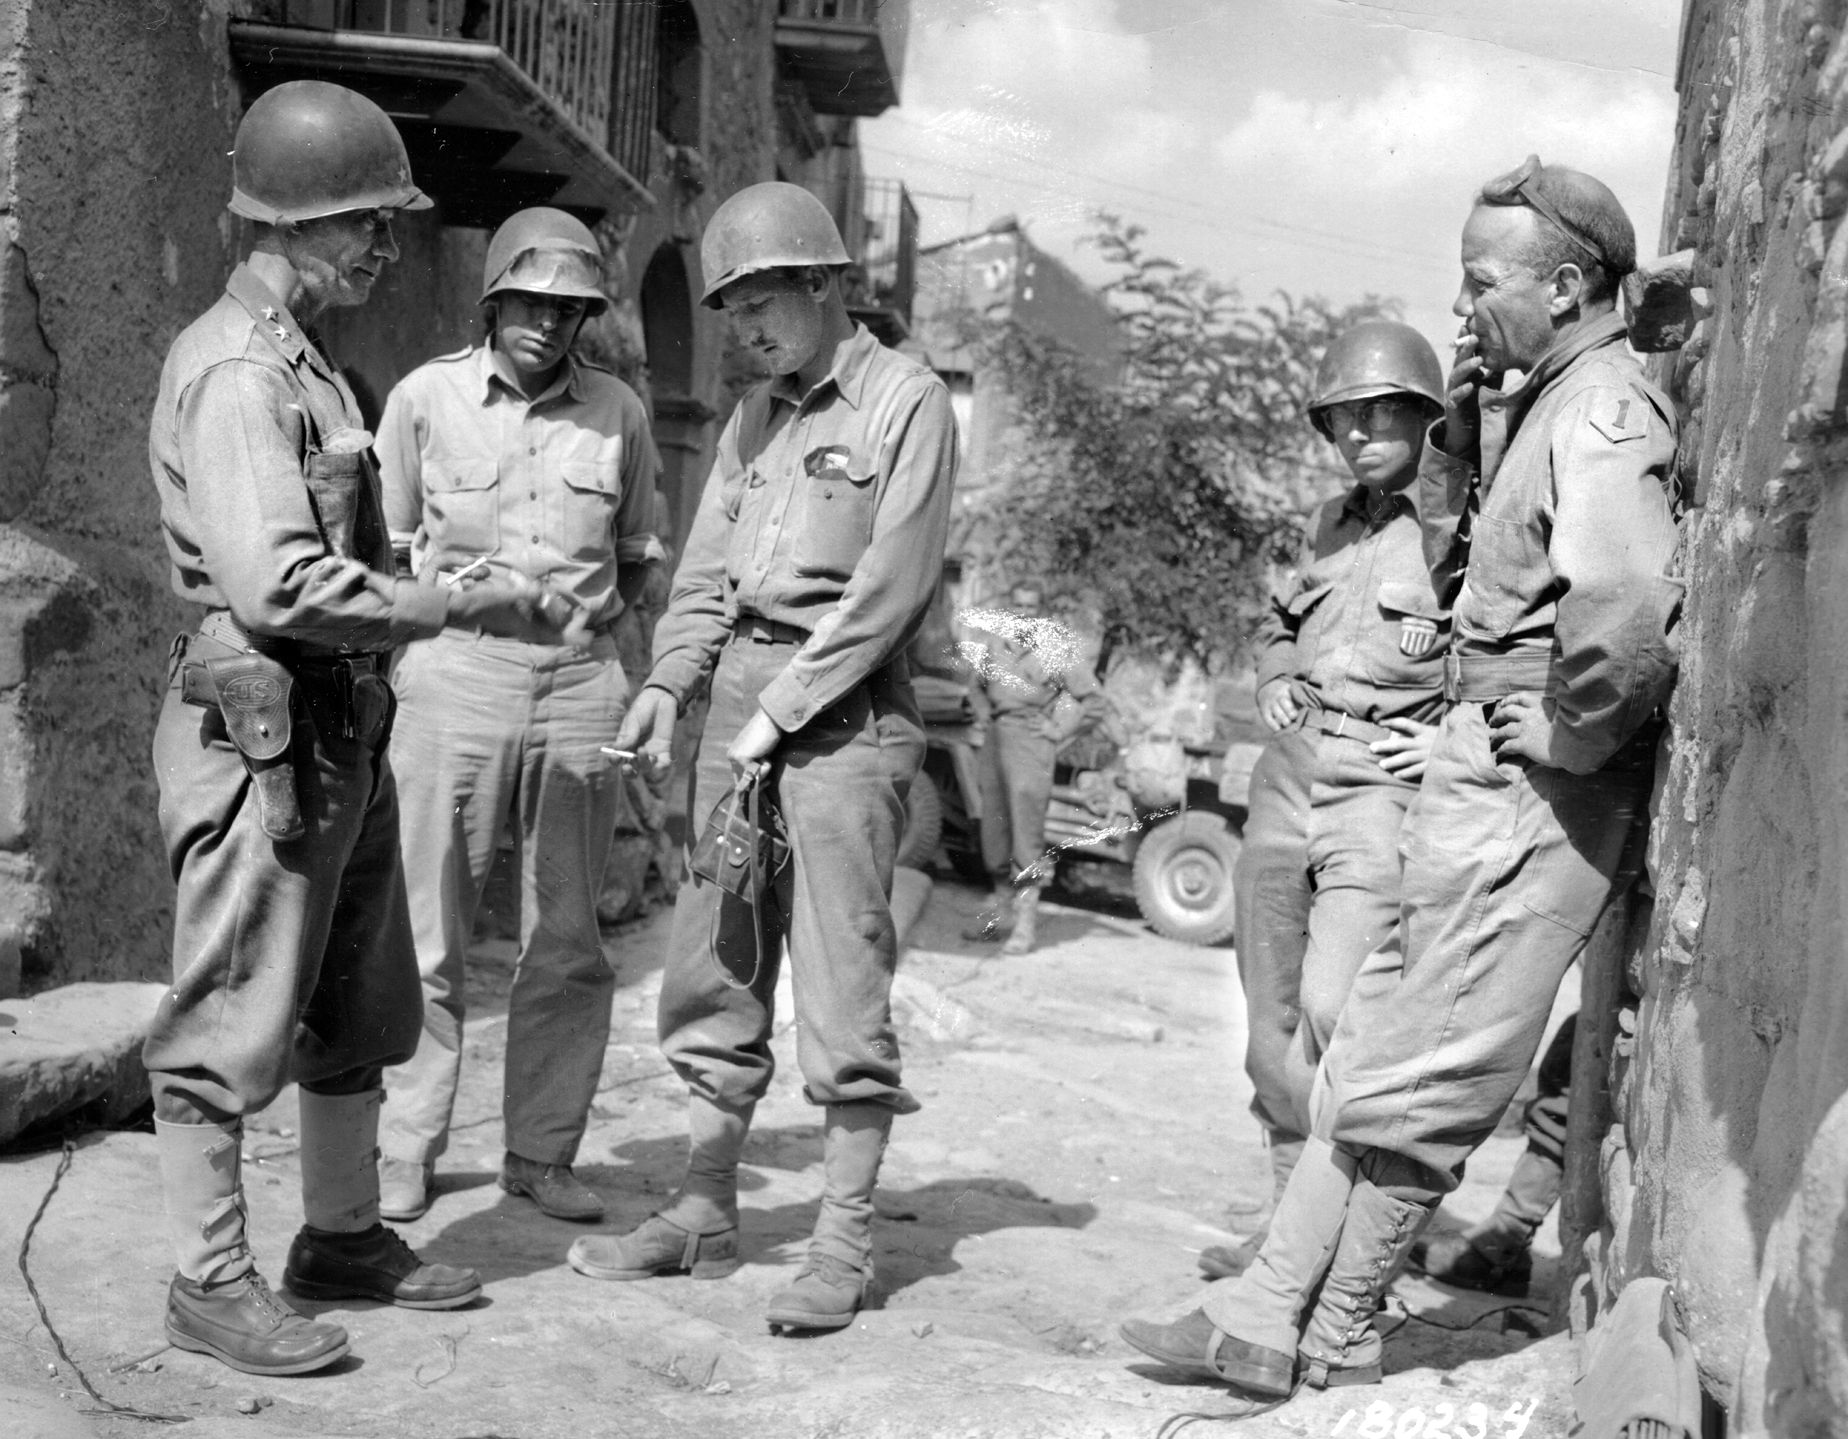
column 1517, row 187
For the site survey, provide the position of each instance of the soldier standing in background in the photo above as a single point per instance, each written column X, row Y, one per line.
column 1032, row 693
column 292, row 953
column 513, row 457
column 1350, row 680
column 816, row 551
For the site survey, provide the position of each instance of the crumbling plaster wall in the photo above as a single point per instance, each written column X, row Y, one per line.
column 117, row 117
column 1729, row 1173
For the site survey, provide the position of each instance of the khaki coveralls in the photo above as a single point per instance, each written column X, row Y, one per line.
column 292, row 958
column 559, row 489
column 816, row 550
column 1318, row 878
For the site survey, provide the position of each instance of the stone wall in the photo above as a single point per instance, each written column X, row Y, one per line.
column 1728, row 1174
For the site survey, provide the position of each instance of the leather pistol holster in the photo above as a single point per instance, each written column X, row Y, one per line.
column 255, row 695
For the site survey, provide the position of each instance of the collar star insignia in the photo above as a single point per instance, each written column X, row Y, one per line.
column 281, row 333
column 269, row 312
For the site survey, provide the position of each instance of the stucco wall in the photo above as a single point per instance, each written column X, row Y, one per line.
column 118, row 116
column 1729, row 1176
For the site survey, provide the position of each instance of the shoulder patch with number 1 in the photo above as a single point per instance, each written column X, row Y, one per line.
column 1624, row 417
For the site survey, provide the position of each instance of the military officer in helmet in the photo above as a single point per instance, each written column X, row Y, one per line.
column 1350, row 682
column 516, row 459
column 814, row 554
column 292, row 944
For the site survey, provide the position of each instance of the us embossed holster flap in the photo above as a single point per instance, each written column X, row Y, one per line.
column 255, row 695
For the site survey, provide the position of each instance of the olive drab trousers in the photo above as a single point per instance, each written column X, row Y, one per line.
column 1318, row 890
column 491, row 729
column 1507, row 868
column 291, row 959
column 1015, row 767
column 840, row 785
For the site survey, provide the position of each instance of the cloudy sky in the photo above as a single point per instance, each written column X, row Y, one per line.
column 1315, row 146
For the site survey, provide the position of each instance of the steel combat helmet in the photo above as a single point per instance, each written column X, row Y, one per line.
column 764, row 227
column 543, row 251
column 309, row 148
column 1376, row 357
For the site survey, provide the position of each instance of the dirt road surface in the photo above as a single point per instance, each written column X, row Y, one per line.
column 1084, row 1136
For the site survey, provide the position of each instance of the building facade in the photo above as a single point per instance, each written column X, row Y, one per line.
column 116, row 122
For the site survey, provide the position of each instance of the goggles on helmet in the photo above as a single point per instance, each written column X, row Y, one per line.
column 1519, row 187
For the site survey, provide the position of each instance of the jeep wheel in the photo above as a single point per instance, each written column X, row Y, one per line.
column 1183, row 877
column 917, row 846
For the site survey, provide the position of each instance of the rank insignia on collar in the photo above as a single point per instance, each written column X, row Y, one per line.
column 269, row 312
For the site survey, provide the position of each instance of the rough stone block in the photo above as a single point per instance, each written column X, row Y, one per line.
column 69, row 1047
column 1664, row 303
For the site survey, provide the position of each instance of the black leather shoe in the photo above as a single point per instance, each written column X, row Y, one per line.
column 243, row 1324
column 1197, row 1346
column 553, row 1187
column 1453, row 1259
column 374, row 1264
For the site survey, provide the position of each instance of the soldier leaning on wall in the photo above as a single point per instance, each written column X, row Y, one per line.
column 1549, row 513
column 292, row 955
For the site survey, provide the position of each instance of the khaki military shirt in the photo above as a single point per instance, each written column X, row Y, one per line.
column 1560, row 537
column 1350, row 626
column 560, row 488
column 827, row 512
column 268, row 501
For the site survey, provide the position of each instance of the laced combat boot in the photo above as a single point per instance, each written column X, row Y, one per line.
column 343, row 1251
column 1497, row 1255
column 1341, row 1344
column 217, row 1303
column 832, row 1284
column 696, row 1232
column 1246, row 1333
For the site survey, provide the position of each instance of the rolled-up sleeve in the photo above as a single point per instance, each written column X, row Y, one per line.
column 896, row 578
column 240, row 437
column 1612, row 548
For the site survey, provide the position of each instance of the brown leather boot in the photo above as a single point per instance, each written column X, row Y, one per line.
column 832, row 1284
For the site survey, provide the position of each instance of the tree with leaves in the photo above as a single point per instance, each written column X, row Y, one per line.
column 1158, row 503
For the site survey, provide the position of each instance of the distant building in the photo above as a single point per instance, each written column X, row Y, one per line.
column 639, row 116
column 998, row 275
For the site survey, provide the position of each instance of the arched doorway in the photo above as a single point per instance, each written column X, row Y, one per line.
column 680, row 419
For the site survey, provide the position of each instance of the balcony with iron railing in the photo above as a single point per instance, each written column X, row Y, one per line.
column 847, row 55
column 502, row 103
column 882, row 281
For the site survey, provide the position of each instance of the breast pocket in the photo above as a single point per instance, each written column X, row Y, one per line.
column 333, row 486
column 836, row 523
column 1414, row 633
column 591, row 493
column 1507, row 568
column 462, row 505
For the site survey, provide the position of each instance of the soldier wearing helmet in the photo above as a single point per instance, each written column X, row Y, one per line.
column 1548, row 502
column 1350, row 682
column 291, row 939
column 516, row 459
column 812, row 560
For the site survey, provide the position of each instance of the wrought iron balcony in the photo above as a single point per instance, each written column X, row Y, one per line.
column 883, row 279
column 502, row 103
column 847, row 54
